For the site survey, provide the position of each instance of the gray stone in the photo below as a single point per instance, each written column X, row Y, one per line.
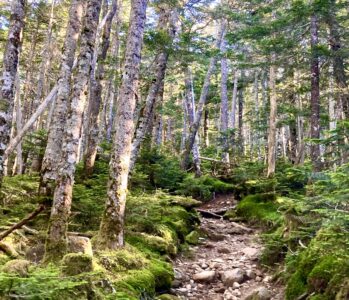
column 236, row 275
column 250, row 274
column 205, row 276
column 80, row 244
column 260, row 293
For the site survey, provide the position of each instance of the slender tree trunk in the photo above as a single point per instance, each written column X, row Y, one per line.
column 96, row 95
column 315, row 96
column 167, row 19
column 240, row 118
column 111, row 233
column 55, row 135
column 206, row 128
column 233, row 100
column 185, row 123
column 272, row 120
column 56, row 242
column 202, row 102
column 8, row 79
column 44, row 65
column 19, row 124
column 224, row 105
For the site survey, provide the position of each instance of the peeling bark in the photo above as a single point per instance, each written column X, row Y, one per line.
column 8, row 79
column 111, row 233
column 56, row 242
column 55, row 135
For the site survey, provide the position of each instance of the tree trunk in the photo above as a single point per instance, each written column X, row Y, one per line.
column 224, row 106
column 167, row 21
column 111, row 233
column 233, row 100
column 240, row 118
column 55, row 135
column 56, row 242
column 19, row 123
column 272, row 120
column 44, row 65
column 202, row 102
column 315, row 96
column 9, row 73
column 96, row 95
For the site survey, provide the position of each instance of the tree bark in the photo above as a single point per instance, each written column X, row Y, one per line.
column 202, row 102
column 96, row 95
column 224, row 105
column 111, row 233
column 272, row 120
column 9, row 73
column 56, row 242
column 167, row 21
column 315, row 95
column 55, row 135
column 233, row 100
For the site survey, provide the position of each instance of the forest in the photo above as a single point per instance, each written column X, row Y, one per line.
column 174, row 149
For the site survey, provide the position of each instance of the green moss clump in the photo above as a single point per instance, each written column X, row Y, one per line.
column 296, row 286
column 167, row 297
column 260, row 208
column 193, row 237
column 76, row 263
column 163, row 274
column 18, row 267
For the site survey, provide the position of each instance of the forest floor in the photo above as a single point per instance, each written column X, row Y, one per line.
column 224, row 265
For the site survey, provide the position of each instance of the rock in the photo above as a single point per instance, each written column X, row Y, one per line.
column 182, row 290
column 250, row 274
column 193, row 238
column 216, row 237
column 236, row 285
column 267, row 279
column 218, row 260
column 260, row 293
column 204, row 266
column 205, row 276
column 79, row 244
column 259, row 279
column 35, row 253
column 176, row 283
column 17, row 267
column 76, row 263
column 177, row 274
column 220, row 289
column 223, row 250
column 236, row 275
column 251, row 252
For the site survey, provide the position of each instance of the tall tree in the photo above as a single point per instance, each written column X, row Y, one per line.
column 202, row 101
column 111, row 233
column 8, row 79
column 55, row 135
column 315, row 94
column 95, row 97
column 56, row 242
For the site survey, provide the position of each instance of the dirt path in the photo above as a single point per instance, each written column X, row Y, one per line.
column 225, row 264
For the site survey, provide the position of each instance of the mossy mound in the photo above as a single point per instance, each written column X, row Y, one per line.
column 321, row 268
column 193, row 237
column 18, row 267
column 261, row 209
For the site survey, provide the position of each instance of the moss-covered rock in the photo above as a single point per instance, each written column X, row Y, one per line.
column 76, row 263
column 343, row 293
column 193, row 237
column 17, row 267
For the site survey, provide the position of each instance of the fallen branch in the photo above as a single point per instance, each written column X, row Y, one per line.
column 22, row 222
column 242, row 227
column 42, row 107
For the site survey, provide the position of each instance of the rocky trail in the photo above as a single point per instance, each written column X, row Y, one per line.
column 224, row 265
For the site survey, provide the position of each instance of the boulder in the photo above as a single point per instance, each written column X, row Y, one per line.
column 80, row 244
column 205, row 276
column 235, row 275
column 76, row 263
column 260, row 293
column 17, row 267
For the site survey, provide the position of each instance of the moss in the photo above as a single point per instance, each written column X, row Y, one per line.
column 4, row 259
column 343, row 292
column 18, row 267
column 260, row 208
column 76, row 263
column 167, row 297
column 322, row 273
column 193, row 237
column 163, row 274
column 296, row 286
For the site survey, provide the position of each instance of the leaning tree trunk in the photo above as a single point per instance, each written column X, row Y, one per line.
column 167, row 19
column 111, row 233
column 7, row 84
column 272, row 120
column 96, row 95
column 56, row 242
column 190, row 105
column 55, row 135
column 224, row 106
column 315, row 95
column 202, row 103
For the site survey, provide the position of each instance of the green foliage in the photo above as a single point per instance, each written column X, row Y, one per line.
column 76, row 263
